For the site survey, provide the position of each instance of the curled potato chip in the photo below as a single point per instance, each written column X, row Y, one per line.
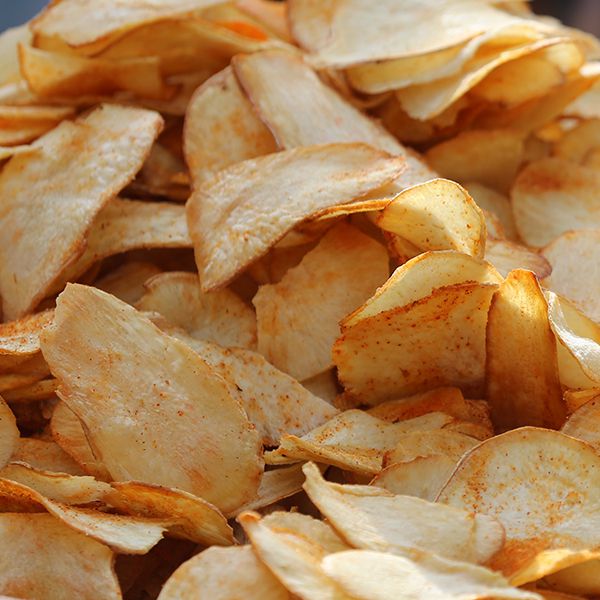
column 305, row 307
column 540, row 485
column 181, row 401
column 374, row 519
column 552, row 196
column 46, row 456
column 221, row 128
column 419, row 576
column 128, row 535
column 507, row 256
column 436, row 215
column 218, row 316
column 527, row 391
column 40, row 390
column 9, row 433
column 436, row 341
column 574, row 273
column 127, row 281
column 223, row 573
column 124, row 225
column 189, row 517
column 47, row 559
column 354, row 440
column 583, row 423
column 423, row 477
column 225, row 216
column 574, row 399
column 64, row 187
column 22, row 337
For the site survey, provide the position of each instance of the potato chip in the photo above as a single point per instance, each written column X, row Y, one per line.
column 9, row 433
column 127, row 282
column 22, row 124
column 45, row 455
column 9, row 43
column 575, row 145
column 583, row 423
column 422, row 477
column 354, row 440
column 59, row 487
column 221, row 128
column 70, row 436
column 47, row 559
column 218, row 316
column 8, row 151
column 190, row 517
column 527, row 391
column 574, row 399
column 305, row 307
column 374, row 519
column 40, row 390
column 552, row 196
column 181, row 401
column 128, row 535
column 496, row 203
column 540, row 485
column 52, row 74
column 124, row 225
column 487, row 157
column 574, row 269
column 111, row 143
column 22, row 338
column 507, row 256
column 323, row 386
column 419, row 576
column 578, row 344
column 222, row 574
column 436, row 215
column 225, row 216
column 436, row 341
column 292, row 555
column 581, row 578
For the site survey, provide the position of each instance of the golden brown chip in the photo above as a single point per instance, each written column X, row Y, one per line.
column 526, row 391
column 45, row 455
column 78, row 168
column 219, row 316
column 9, row 433
column 304, row 309
column 127, row 282
column 21, row 124
column 178, row 425
column 22, row 337
column 43, row 558
column 226, row 215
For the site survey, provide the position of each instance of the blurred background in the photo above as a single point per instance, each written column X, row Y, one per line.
column 584, row 14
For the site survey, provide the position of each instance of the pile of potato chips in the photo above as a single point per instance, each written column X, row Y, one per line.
column 300, row 300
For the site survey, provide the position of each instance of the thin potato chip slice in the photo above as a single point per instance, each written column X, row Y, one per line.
column 45, row 455
column 180, row 426
column 223, row 574
column 541, row 485
column 221, row 128
column 9, row 433
column 225, row 216
column 374, row 519
column 436, row 215
column 43, row 558
column 552, row 196
column 218, row 316
column 367, row 575
column 22, row 337
column 495, row 202
column 507, row 256
column 65, row 186
column 305, row 307
column 583, row 423
column 577, row 143
column 436, row 341
column 127, row 282
column 575, row 274
column 525, row 391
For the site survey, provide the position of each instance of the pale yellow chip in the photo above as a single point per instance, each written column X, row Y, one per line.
column 45, row 455
column 368, row 575
column 124, row 225
column 582, row 578
column 422, row 477
column 436, row 215
column 375, row 519
column 577, row 398
column 221, row 128
column 9, row 43
column 127, row 281
column 226, row 215
column 578, row 143
column 583, row 423
column 219, row 316
column 22, row 338
column 40, row 390
column 496, row 203
column 507, row 256
column 128, row 535
column 78, row 168
column 43, row 558
column 223, row 574
column 304, row 309
column 525, row 391
column 552, row 196
column 541, row 485
column 489, row 157
column 324, row 385
column 438, row 340
column 354, row 440
column 178, row 425
column 575, row 274
column 189, row 517
column 22, row 124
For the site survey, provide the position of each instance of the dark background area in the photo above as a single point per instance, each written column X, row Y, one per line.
column 584, row 14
